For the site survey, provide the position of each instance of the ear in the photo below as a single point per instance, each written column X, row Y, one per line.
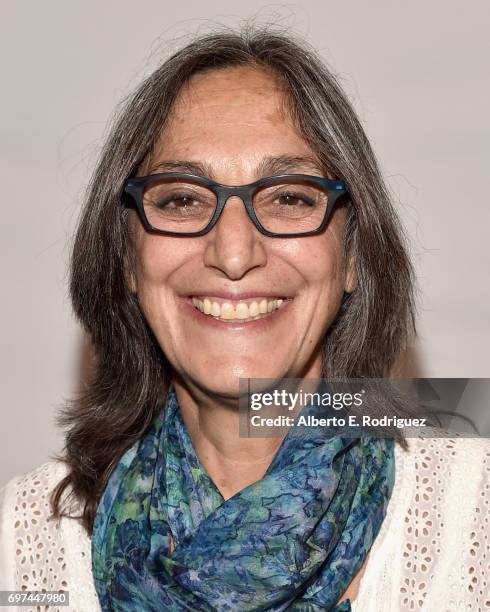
column 131, row 282
column 350, row 275
column 128, row 258
column 129, row 275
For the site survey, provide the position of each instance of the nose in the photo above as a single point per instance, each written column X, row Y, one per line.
column 234, row 245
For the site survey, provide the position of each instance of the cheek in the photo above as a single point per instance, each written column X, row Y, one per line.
column 328, row 260
column 323, row 272
column 157, row 259
column 331, row 279
column 319, row 261
column 152, row 268
column 325, row 262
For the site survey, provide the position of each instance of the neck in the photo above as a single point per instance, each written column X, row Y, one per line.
column 232, row 462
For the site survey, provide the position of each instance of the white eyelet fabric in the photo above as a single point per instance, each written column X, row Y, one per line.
column 432, row 553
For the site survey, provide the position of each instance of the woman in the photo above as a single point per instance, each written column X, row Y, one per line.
column 195, row 266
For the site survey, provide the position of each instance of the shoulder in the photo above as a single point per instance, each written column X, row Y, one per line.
column 36, row 482
column 447, row 477
column 27, row 495
column 25, row 501
column 37, row 550
column 447, row 460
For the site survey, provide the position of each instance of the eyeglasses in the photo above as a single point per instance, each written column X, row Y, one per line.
column 188, row 205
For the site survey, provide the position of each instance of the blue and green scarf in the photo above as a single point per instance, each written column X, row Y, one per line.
column 165, row 539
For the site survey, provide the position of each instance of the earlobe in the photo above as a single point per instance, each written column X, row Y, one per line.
column 130, row 277
column 131, row 282
column 350, row 276
column 129, row 258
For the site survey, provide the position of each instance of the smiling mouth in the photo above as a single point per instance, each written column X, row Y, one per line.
column 243, row 310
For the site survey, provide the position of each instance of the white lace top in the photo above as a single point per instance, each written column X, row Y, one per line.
column 432, row 553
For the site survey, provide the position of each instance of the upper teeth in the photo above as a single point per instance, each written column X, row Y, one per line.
column 241, row 310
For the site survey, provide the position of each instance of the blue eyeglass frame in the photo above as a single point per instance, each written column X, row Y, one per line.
column 132, row 197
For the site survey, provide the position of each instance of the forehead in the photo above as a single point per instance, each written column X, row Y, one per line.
column 219, row 95
column 237, row 115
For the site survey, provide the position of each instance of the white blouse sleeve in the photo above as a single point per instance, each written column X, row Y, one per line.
column 38, row 552
column 433, row 549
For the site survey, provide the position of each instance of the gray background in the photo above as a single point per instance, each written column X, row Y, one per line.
column 417, row 73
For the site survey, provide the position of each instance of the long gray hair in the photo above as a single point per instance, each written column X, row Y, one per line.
column 131, row 375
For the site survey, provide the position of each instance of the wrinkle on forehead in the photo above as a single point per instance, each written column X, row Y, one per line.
column 258, row 79
column 214, row 99
column 227, row 96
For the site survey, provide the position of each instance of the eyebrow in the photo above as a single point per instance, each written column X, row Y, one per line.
column 271, row 165
column 288, row 163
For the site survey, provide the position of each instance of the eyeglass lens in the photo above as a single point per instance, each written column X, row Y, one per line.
column 183, row 206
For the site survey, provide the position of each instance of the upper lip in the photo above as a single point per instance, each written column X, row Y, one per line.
column 232, row 296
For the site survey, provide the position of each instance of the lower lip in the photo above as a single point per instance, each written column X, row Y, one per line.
column 236, row 325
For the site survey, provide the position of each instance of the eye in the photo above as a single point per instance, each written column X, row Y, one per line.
column 176, row 200
column 295, row 199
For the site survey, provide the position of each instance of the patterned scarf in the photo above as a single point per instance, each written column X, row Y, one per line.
column 165, row 539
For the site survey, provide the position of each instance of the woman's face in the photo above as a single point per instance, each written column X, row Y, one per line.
column 233, row 123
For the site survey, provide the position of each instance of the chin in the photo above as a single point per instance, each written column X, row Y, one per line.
column 225, row 379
